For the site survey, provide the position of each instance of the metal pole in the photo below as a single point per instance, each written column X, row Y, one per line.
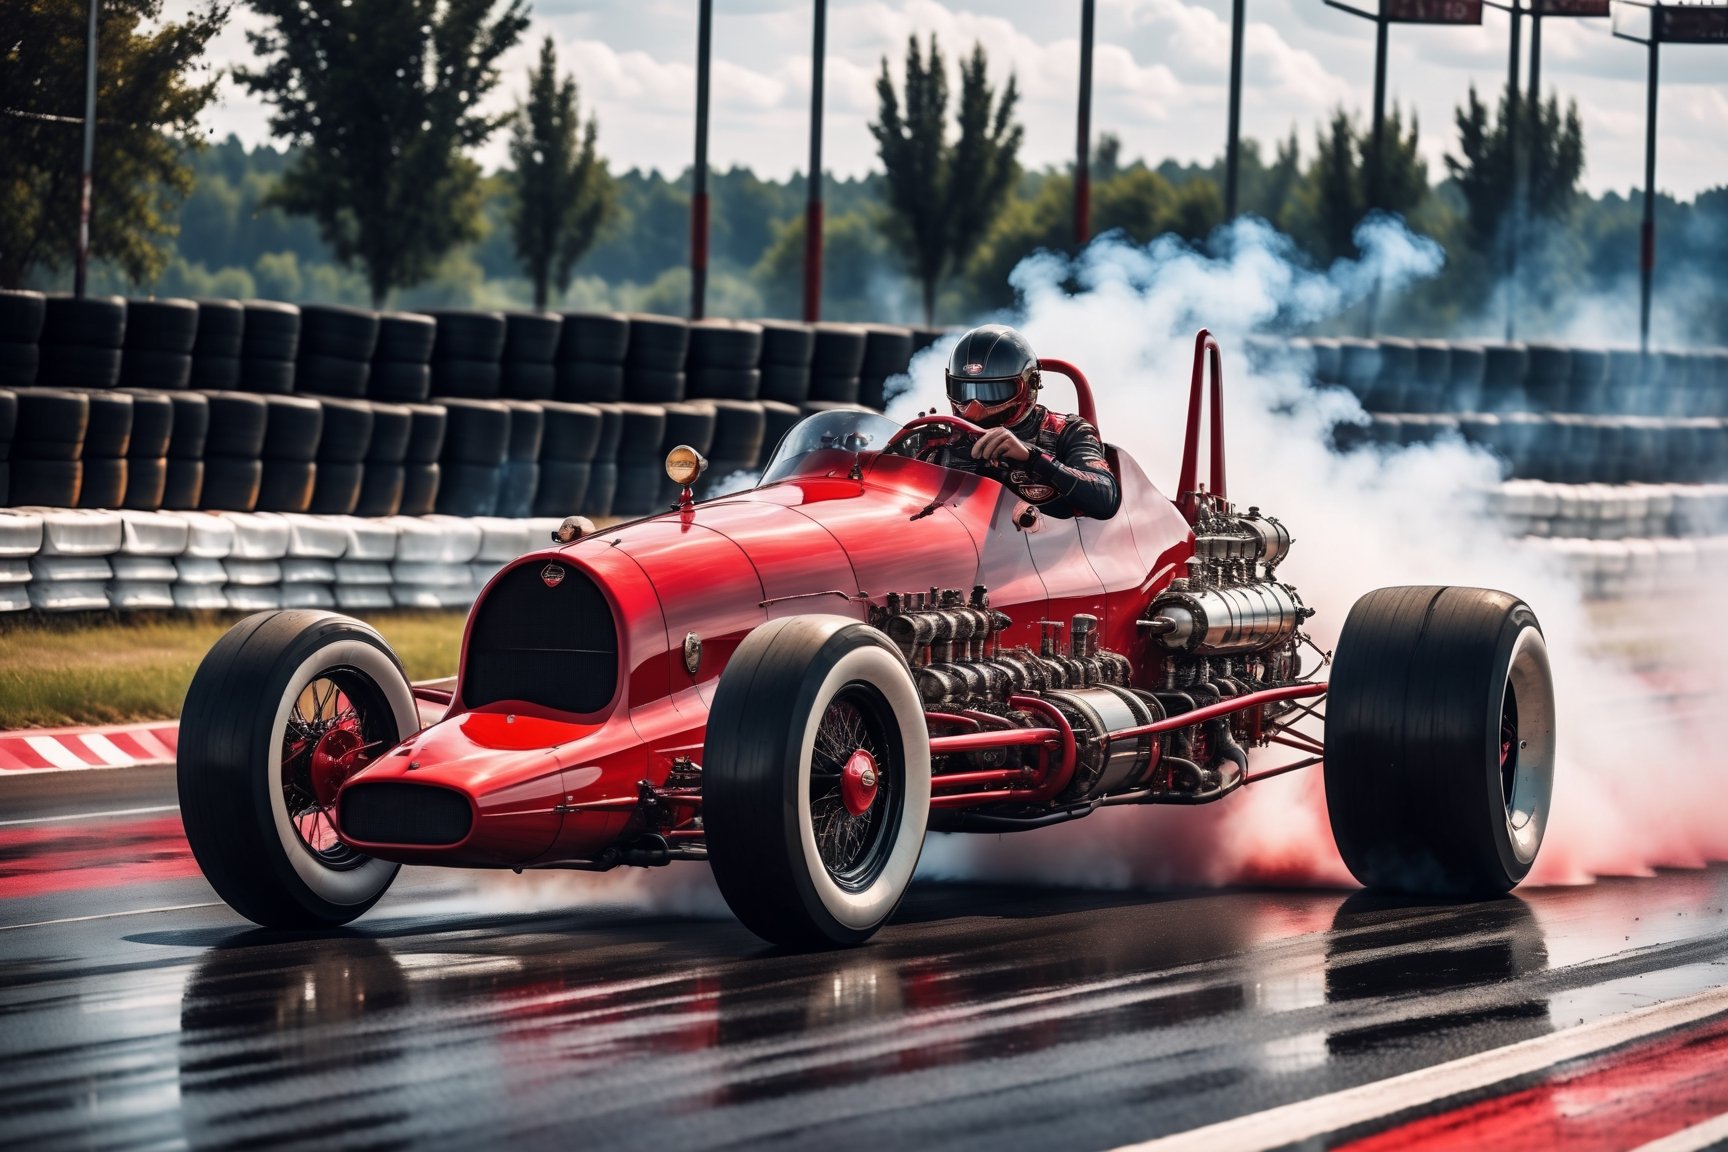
column 84, row 183
column 1083, row 148
column 1536, row 57
column 1647, row 263
column 1376, row 149
column 813, row 209
column 1233, row 135
column 1512, row 231
column 699, row 195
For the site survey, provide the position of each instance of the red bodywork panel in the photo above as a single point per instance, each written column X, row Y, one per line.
column 547, row 788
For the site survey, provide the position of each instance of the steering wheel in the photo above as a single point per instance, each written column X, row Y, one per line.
column 956, row 427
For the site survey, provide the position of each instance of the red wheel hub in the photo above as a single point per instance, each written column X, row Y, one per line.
column 338, row 754
column 858, row 781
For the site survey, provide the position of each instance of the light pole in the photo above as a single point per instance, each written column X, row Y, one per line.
column 1511, row 232
column 699, row 191
column 1233, row 132
column 1083, row 148
column 813, row 207
column 82, row 260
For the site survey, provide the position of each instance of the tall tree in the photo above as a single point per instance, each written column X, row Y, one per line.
column 560, row 190
column 1403, row 172
column 148, row 97
column 380, row 98
column 1483, row 167
column 1334, row 187
column 943, row 197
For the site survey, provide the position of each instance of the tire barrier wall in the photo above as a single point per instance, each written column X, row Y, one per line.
column 58, row 560
column 263, row 406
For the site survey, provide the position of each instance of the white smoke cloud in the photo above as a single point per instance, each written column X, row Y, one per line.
column 1636, row 787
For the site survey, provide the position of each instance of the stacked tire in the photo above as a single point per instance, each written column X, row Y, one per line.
column 385, row 475
column 787, row 350
column 641, row 461
column 336, row 349
column 293, row 430
column 217, row 348
column 106, row 440
column 234, row 450
column 654, row 364
column 8, row 425
column 467, row 354
column 476, row 442
column 147, row 450
column 184, row 488
column 46, row 466
column 342, row 452
column 736, row 453
column 519, row 477
column 22, row 315
column 269, row 343
column 401, row 362
column 421, row 473
column 568, row 445
column 722, row 361
column 160, row 337
column 589, row 365
column 887, row 355
column 530, row 350
column 81, row 342
column 835, row 367
column 603, row 473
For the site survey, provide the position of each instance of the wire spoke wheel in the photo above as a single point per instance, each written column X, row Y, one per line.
column 337, row 722
column 853, row 845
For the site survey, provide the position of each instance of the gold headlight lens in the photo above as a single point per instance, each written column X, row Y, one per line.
column 684, row 464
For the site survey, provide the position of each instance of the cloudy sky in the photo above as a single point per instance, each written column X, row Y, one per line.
column 1160, row 79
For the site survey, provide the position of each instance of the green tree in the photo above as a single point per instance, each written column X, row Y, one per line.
column 943, row 197
column 559, row 185
column 148, row 96
column 1335, row 192
column 1403, row 172
column 1553, row 147
column 380, row 98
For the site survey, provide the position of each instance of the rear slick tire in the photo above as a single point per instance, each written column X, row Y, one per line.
column 1440, row 736
column 260, row 705
column 796, row 703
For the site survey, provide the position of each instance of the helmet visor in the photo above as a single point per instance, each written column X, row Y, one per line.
column 963, row 390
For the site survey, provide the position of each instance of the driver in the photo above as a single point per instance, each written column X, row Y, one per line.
column 1053, row 462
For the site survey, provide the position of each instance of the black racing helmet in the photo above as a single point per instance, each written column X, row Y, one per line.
column 992, row 376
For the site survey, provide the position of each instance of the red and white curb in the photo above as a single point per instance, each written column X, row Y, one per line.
column 67, row 749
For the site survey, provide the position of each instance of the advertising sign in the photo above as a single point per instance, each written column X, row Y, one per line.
column 1433, row 11
column 1692, row 23
column 1572, row 7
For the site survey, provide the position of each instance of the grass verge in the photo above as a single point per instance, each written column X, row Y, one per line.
column 99, row 668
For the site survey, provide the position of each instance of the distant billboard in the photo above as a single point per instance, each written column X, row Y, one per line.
column 1692, row 23
column 1433, row 11
column 1572, row 7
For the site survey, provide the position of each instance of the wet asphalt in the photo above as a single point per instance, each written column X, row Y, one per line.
column 472, row 1010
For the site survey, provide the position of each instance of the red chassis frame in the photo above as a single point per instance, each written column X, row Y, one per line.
column 550, row 789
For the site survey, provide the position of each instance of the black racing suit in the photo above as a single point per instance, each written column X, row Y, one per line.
column 1067, row 475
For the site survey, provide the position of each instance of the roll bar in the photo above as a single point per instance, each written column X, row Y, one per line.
column 1205, row 349
column 1082, row 390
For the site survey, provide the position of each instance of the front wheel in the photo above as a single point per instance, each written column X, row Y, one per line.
column 816, row 781
column 282, row 711
column 1440, row 741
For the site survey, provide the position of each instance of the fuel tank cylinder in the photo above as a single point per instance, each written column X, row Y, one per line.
column 1220, row 621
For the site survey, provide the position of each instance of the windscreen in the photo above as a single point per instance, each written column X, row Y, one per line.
column 835, row 435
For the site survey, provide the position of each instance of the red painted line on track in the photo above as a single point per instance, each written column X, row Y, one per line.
column 1605, row 1104
column 44, row 859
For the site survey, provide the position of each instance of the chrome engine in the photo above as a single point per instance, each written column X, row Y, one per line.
column 1227, row 628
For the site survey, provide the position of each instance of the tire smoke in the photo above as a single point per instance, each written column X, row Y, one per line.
column 1636, row 786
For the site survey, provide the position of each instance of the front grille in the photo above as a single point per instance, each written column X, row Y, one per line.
column 549, row 644
column 390, row 813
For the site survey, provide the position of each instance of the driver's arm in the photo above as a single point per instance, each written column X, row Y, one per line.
column 1081, row 476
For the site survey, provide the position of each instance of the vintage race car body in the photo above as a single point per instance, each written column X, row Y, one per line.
column 553, row 772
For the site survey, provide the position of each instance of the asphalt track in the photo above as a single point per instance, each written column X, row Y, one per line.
column 472, row 1011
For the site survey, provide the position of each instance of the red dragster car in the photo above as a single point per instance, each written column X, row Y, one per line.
column 797, row 682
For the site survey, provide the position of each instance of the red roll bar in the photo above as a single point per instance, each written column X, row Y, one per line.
column 1087, row 408
column 1205, row 347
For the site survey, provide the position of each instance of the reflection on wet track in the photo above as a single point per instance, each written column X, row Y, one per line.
column 982, row 1018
